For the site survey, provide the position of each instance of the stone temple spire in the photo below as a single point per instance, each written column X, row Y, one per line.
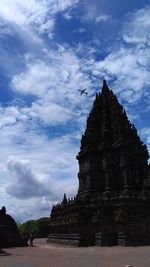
column 104, row 86
column 112, row 141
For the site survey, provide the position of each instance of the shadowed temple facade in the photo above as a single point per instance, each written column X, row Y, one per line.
column 112, row 206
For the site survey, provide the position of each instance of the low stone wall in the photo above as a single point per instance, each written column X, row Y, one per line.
column 65, row 239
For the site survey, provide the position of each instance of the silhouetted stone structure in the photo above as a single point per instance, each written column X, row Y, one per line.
column 112, row 206
column 9, row 235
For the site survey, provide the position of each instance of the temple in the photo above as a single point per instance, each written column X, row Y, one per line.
column 9, row 234
column 112, row 205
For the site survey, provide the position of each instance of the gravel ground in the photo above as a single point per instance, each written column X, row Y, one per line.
column 48, row 255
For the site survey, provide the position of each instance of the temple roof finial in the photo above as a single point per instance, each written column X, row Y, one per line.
column 64, row 199
column 104, row 86
column 104, row 83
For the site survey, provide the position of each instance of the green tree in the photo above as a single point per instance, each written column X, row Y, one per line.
column 39, row 227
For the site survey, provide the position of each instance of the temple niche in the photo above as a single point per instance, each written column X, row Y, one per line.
column 9, row 234
column 112, row 205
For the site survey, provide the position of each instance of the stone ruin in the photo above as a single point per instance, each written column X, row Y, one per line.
column 9, row 234
column 112, row 205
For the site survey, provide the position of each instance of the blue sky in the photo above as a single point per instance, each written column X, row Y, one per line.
column 49, row 49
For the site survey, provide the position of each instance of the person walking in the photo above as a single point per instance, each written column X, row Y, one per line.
column 31, row 240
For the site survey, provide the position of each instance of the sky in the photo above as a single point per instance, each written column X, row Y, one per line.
column 49, row 50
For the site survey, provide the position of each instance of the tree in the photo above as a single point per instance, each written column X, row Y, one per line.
column 39, row 227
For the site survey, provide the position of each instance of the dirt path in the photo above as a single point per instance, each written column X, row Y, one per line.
column 45, row 255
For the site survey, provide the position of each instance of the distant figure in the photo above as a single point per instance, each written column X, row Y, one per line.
column 83, row 91
column 26, row 238
column 31, row 240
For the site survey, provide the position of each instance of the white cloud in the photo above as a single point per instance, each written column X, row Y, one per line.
column 93, row 12
column 24, row 18
column 61, row 5
column 145, row 132
column 35, row 80
column 36, row 15
column 94, row 16
column 129, row 65
column 47, row 27
column 41, row 169
column 81, row 30
column 136, row 29
column 62, row 68
column 67, row 16
column 102, row 18
column 131, row 76
column 50, row 156
column 56, row 82
column 26, row 183
column 30, row 209
column 50, row 113
column 10, row 115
